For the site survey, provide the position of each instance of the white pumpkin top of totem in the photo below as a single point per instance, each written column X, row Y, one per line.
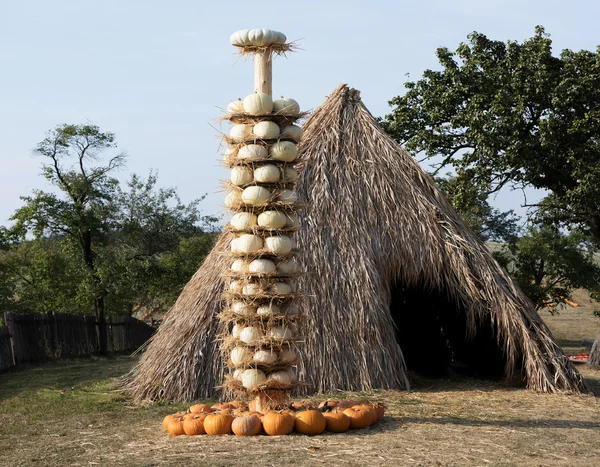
column 257, row 38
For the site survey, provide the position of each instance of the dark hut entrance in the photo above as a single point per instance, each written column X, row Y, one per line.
column 432, row 331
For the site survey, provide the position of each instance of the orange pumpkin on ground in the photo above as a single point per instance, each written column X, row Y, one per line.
column 359, row 418
column 168, row 418
column 380, row 409
column 194, row 425
column 278, row 424
column 218, row 424
column 239, row 405
column 246, row 425
column 370, row 409
column 337, row 421
column 224, row 405
column 175, row 426
column 199, row 408
column 310, row 422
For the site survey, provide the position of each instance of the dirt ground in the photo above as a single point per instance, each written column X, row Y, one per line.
column 69, row 413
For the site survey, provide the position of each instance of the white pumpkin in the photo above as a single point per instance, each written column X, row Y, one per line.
column 235, row 107
column 255, row 196
column 286, row 106
column 292, row 221
column 262, row 266
column 292, row 132
column 253, row 152
column 287, row 197
column 279, row 244
column 251, row 335
column 242, row 308
column 266, row 130
column 287, row 356
column 237, row 330
column 237, row 374
column 239, row 355
column 266, row 357
column 290, row 174
column 265, row 37
column 240, row 132
column 240, row 38
column 252, row 378
column 241, row 175
column 293, row 286
column 228, row 154
column 258, row 103
column 269, row 309
column 280, row 288
column 252, row 289
column 243, row 220
column 247, row 243
column 271, row 220
column 236, row 286
column 281, row 333
column 282, row 377
column 268, row 173
column 283, row 151
column 286, row 267
column 241, row 266
column 233, row 198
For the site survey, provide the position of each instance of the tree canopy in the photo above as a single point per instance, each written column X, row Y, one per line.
column 95, row 243
column 512, row 114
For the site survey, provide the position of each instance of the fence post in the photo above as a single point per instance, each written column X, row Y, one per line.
column 9, row 324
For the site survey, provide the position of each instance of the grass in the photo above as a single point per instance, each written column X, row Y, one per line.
column 69, row 413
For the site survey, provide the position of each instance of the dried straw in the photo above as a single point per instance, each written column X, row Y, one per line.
column 376, row 218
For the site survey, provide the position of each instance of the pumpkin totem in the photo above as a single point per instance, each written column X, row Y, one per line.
column 262, row 154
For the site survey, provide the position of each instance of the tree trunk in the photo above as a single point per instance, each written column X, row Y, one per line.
column 101, row 320
column 595, row 353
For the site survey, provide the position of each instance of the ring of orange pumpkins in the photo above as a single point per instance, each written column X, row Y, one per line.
column 241, row 419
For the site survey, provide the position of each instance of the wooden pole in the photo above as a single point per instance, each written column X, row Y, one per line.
column 263, row 72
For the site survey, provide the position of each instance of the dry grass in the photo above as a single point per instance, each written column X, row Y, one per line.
column 68, row 414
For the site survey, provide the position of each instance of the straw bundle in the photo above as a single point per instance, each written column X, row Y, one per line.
column 377, row 230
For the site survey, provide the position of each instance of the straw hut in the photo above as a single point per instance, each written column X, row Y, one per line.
column 398, row 284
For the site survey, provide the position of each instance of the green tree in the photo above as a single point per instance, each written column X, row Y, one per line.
column 549, row 264
column 508, row 113
column 82, row 210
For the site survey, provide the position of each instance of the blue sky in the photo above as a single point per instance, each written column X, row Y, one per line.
column 158, row 73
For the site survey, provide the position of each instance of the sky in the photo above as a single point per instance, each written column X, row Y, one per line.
column 158, row 74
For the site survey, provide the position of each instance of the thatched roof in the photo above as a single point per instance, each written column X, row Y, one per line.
column 377, row 230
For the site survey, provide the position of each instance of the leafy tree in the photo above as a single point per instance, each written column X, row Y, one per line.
column 508, row 113
column 82, row 210
column 38, row 276
column 549, row 264
column 489, row 223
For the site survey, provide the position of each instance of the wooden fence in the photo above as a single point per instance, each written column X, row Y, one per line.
column 6, row 355
column 40, row 337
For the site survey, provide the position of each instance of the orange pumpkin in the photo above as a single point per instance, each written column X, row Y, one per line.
column 168, row 418
column 337, row 421
column 239, row 405
column 328, row 405
column 175, row 426
column 224, row 405
column 194, row 425
column 310, row 422
column 218, row 424
column 370, row 409
column 200, row 408
column 278, row 424
column 359, row 417
column 246, row 425
column 380, row 409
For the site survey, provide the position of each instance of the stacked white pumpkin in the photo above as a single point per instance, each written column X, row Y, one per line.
column 262, row 313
